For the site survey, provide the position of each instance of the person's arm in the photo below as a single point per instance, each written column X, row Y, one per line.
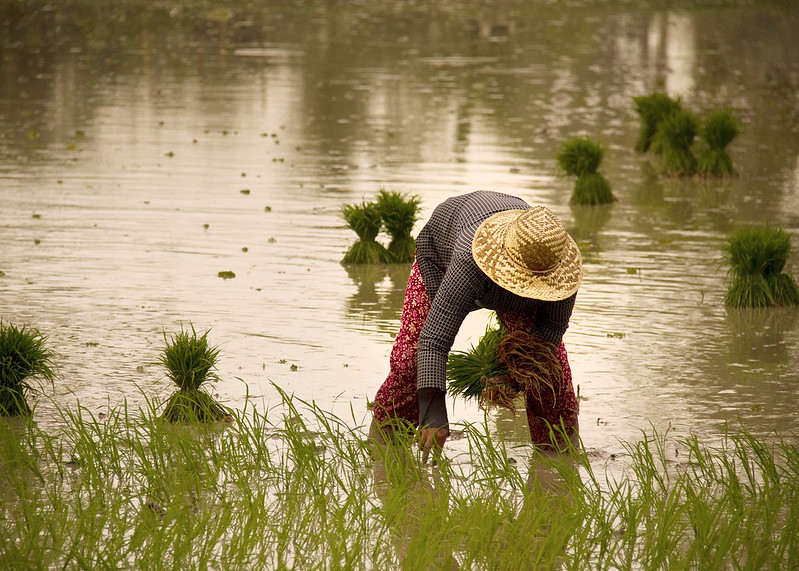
column 552, row 319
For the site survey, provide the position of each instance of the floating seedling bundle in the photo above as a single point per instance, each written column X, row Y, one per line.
column 190, row 361
column 365, row 220
column 674, row 139
column 581, row 157
column 395, row 212
column 718, row 131
column 502, row 366
column 757, row 257
column 669, row 130
column 399, row 213
column 24, row 356
column 652, row 109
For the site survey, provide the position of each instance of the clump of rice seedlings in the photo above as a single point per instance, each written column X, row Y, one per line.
column 757, row 256
column 365, row 219
column 653, row 109
column 190, row 362
column 581, row 157
column 503, row 365
column 675, row 137
column 399, row 213
column 467, row 371
column 24, row 356
column 718, row 131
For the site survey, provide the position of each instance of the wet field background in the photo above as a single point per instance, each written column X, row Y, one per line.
column 146, row 147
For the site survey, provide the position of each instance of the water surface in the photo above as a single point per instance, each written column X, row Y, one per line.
column 144, row 150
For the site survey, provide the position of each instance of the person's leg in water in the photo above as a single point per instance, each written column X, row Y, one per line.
column 549, row 413
column 397, row 399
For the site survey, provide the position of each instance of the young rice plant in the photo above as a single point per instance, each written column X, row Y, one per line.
column 399, row 213
column 365, row 219
column 24, row 356
column 581, row 157
column 757, row 256
column 190, row 362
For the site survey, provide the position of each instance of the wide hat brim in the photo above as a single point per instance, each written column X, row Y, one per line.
column 491, row 256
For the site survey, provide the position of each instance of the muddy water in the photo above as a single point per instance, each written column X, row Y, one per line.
column 142, row 152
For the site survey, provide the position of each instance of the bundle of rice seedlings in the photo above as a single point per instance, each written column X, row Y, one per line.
column 189, row 362
column 365, row 220
column 502, row 366
column 399, row 213
column 757, row 255
column 675, row 136
column 467, row 371
column 653, row 109
column 23, row 357
column 718, row 131
column 581, row 157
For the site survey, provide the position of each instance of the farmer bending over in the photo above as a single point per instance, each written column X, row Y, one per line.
column 484, row 250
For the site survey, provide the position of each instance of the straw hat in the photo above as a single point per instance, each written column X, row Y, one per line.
column 529, row 253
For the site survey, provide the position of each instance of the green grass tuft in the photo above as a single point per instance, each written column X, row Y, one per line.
column 190, row 362
column 23, row 357
column 366, row 220
column 758, row 250
column 466, row 370
column 757, row 256
column 718, row 131
column 675, row 137
column 580, row 156
column 652, row 110
column 399, row 213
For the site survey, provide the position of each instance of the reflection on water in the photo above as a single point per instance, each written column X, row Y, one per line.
column 143, row 151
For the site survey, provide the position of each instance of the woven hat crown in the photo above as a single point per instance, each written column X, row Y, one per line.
column 529, row 253
column 536, row 240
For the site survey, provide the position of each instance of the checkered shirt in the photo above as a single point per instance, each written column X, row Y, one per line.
column 456, row 285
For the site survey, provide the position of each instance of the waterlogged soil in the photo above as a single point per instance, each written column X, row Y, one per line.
column 161, row 166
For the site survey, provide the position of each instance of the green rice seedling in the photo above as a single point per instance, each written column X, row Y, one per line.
column 675, row 136
column 717, row 132
column 757, row 256
column 399, row 213
column 467, row 371
column 652, row 110
column 190, row 361
column 24, row 356
column 581, row 157
column 295, row 487
column 365, row 219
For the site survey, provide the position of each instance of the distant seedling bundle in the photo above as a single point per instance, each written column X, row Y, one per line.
column 581, row 157
column 394, row 212
column 757, row 256
column 670, row 131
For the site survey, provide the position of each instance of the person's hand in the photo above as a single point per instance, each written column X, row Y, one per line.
column 431, row 438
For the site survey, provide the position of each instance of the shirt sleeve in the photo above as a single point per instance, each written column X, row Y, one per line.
column 552, row 319
column 449, row 307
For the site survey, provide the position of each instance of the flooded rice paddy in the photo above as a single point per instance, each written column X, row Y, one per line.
column 146, row 150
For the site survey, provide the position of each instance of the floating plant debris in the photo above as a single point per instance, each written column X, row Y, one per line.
column 226, row 275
